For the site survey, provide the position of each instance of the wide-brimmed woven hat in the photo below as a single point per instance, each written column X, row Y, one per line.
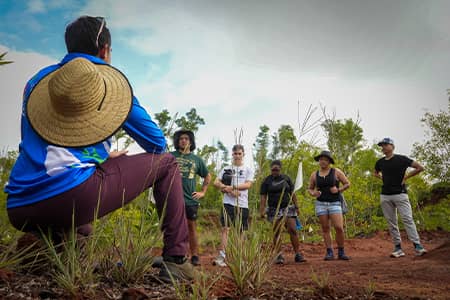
column 326, row 154
column 79, row 104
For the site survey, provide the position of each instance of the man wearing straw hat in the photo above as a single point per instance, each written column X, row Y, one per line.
column 65, row 170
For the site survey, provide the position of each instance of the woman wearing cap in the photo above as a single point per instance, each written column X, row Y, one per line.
column 324, row 185
column 278, row 189
column 66, row 172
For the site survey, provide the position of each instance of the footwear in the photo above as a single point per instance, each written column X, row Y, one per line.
column 219, row 261
column 341, row 254
column 279, row 260
column 398, row 252
column 195, row 261
column 329, row 255
column 157, row 262
column 171, row 271
column 420, row 250
column 299, row 258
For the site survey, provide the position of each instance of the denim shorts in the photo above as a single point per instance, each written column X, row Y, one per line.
column 328, row 208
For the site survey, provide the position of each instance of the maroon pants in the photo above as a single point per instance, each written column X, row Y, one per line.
column 115, row 182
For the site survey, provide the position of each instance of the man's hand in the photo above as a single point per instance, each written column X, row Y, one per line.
column 114, row 154
column 198, row 195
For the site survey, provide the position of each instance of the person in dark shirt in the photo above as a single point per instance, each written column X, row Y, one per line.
column 278, row 189
column 394, row 197
column 324, row 185
column 190, row 166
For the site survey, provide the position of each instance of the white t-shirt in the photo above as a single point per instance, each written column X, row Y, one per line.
column 240, row 174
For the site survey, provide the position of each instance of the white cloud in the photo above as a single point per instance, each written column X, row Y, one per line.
column 36, row 6
column 13, row 78
column 245, row 65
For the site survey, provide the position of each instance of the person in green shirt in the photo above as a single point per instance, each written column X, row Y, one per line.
column 190, row 166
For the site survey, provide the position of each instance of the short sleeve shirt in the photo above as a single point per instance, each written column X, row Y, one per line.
column 190, row 165
column 239, row 175
column 393, row 171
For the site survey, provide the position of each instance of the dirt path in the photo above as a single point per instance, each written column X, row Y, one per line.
column 371, row 274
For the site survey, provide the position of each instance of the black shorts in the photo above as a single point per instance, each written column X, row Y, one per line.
column 191, row 212
column 231, row 212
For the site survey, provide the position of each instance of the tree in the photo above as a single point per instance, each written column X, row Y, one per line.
column 165, row 122
column 287, row 140
column 191, row 121
column 261, row 146
column 122, row 137
column 434, row 152
column 344, row 138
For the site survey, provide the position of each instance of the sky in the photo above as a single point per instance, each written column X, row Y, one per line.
column 244, row 64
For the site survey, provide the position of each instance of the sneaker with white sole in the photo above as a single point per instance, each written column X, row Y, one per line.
column 419, row 249
column 398, row 252
column 219, row 261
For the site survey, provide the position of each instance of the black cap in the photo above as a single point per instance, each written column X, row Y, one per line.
column 326, row 154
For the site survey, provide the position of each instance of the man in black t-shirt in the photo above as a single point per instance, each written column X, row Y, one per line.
column 392, row 170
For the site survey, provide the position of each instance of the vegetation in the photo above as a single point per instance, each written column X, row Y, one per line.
column 121, row 247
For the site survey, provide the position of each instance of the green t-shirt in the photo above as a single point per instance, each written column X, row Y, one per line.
column 190, row 165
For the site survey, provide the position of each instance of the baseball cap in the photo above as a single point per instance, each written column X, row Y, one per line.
column 386, row 140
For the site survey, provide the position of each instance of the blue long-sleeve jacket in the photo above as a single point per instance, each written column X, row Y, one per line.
column 43, row 170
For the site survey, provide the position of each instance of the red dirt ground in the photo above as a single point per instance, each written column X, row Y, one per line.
column 371, row 274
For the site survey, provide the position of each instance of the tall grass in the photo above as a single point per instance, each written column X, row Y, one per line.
column 249, row 255
column 130, row 257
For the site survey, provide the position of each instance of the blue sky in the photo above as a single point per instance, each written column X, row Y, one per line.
column 245, row 64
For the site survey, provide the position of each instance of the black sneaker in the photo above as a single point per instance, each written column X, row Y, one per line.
column 195, row 261
column 299, row 258
column 279, row 260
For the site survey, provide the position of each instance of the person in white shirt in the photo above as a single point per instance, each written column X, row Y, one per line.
column 234, row 182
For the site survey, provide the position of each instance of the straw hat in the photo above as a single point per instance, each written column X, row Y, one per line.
column 80, row 104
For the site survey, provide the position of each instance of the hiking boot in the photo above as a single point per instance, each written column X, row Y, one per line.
column 195, row 261
column 341, row 254
column 219, row 261
column 157, row 262
column 299, row 258
column 171, row 271
column 419, row 249
column 279, row 260
column 329, row 255
column 398, row 252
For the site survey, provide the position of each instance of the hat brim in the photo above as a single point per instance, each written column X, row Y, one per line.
column 316, row 158
column 90, row 128
column 384, row 143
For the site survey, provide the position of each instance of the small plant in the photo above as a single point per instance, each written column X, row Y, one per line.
column 322, row 282
column 369, row 291
column 26, row 258
column 199, row 289
column 131, row 255
column 74, row 261
column 250, row 255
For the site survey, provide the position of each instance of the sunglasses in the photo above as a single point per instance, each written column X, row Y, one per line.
column 275, row 169
column 102, row 25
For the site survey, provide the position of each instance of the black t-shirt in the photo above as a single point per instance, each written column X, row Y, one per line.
column 273, row 186
column 393, row 171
